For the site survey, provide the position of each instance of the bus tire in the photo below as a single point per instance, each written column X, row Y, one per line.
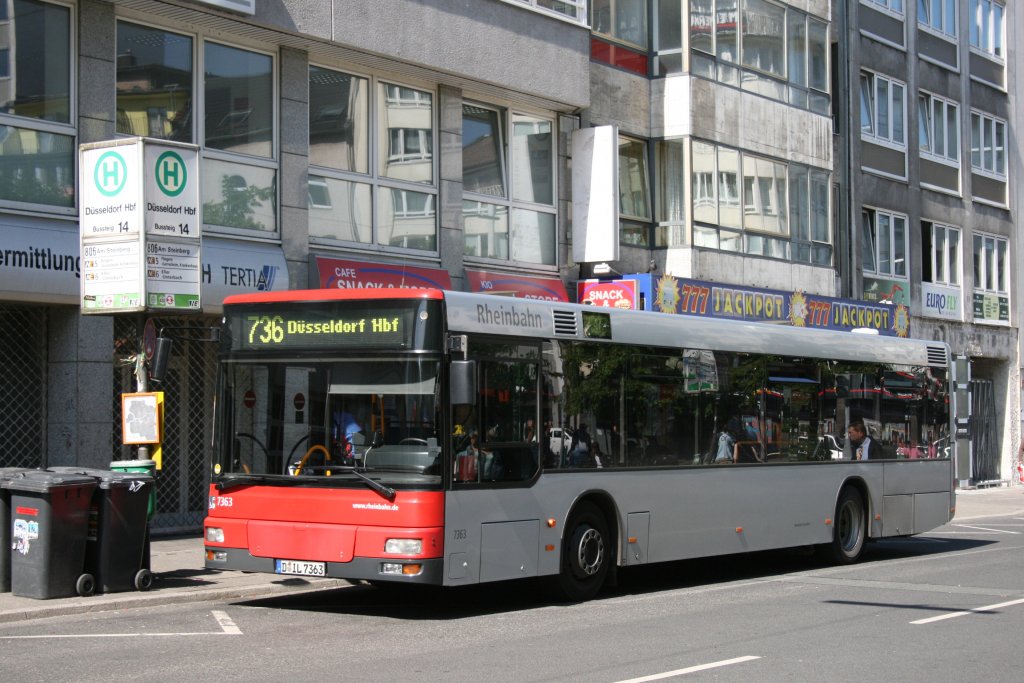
column 585, row 554
column 850, row 528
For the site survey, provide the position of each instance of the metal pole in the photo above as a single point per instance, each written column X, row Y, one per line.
column 141, row 374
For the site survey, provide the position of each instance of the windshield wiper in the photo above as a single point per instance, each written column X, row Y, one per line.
column 380, row 488
column 232, row 480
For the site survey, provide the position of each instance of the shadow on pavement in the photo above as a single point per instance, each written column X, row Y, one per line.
column 436, row 603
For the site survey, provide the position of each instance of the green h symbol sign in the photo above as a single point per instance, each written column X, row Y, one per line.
column 171, row 175
column 110, row 173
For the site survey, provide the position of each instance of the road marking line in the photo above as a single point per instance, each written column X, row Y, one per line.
column 226, row 623
column 228, row 628
column 976, row 610
column 690, row 670
column 982, row 528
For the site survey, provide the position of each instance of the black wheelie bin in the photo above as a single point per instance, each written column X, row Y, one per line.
column 5, row 526
column 116, row 551
column 49, row 523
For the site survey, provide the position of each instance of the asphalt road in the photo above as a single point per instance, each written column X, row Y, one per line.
column 945, row 606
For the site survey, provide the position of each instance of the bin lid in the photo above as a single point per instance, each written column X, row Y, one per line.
column 107, row 479
column 8, row 472
column 122, row 464
column 41, row 481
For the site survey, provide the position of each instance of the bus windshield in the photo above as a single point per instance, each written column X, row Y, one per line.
column 315, row 418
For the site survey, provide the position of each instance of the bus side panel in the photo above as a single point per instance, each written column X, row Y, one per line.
column 693, row 512
column 494, row 534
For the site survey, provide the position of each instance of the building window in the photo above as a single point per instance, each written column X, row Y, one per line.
column 884, row 237
column 37, row 131
column 882, row 111
column 624, row 21
column 634, row 193
column 778, row 52
column 938, row 15
column 339, row 120
column 941, row 249
column 394, row 202
column 508, row 175
column 779, row 210
column 991, row 268
column 938, row 128
column 894, row 6
column 154, row 83
column 988, row 145
column 987, row 27
column 575, row 10
column 239, row 162
column 158, row 96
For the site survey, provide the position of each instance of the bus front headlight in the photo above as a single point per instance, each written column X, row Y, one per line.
column 403, row 546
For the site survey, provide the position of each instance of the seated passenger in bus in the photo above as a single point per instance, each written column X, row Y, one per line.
column 860, row 446
column 467, row 460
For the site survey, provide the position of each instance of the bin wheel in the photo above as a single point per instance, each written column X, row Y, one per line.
column 143, row 580
column 85, row 585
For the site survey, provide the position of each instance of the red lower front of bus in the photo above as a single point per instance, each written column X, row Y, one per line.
column 341, row 533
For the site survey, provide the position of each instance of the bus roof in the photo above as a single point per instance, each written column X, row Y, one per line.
column 514, row 316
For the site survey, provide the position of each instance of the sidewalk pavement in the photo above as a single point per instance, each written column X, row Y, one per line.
column 179, row 575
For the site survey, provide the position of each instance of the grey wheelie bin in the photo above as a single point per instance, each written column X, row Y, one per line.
column 5, row 526
column 49, row 523
column 115, row 552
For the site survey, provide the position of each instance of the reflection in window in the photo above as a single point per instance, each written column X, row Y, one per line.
column 37, row 135
column 239, row 101
column 338, row 120
column 621, row 20
column 520, row 227
column 37, row 167
column 340, row 209
column 39, row 34
column 239, row 196
column 483, row 149
column 485, row 229
column 533, row 160
column 775, row 44
column 763, row 35
column 154, row 83
column 406, row 219
column 633, row 189
column 987, row 29
column 533, row 237
column 764, row 195
column 406, row 136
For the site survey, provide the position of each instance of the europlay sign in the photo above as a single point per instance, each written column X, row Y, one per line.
column 139, row 224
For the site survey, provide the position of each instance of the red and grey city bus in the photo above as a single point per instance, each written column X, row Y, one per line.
column 447, row 438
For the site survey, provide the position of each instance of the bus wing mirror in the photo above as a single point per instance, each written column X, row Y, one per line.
column 378, row 439
column 463, row 382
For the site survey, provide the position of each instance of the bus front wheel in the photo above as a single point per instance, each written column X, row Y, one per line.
column 849, row 528
column 585, row 554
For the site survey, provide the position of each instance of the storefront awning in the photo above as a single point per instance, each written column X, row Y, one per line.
column 524, row 286
column 335, row 273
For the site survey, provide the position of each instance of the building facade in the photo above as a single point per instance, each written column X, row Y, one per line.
column 759, row 144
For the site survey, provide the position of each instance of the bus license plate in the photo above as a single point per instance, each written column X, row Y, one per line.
column 301, row 568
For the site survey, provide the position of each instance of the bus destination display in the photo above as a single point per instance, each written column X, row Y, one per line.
column 314, row 329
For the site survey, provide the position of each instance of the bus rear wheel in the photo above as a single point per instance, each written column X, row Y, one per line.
column 585, row 554
column 849, row 528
